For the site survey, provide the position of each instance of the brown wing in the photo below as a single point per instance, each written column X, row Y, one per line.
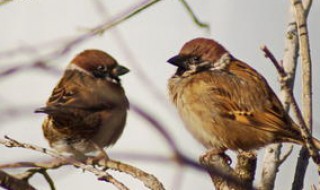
column 70, row 109
column 244, row 97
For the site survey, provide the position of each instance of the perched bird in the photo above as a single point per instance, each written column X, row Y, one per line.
column 87, row 109
column 225, row 103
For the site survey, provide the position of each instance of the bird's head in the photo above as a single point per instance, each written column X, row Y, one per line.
column 197, row 55
column 99, row 65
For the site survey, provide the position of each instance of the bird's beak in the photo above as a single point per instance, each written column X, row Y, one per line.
column 46, row 110
column 120, row 70
column 49, row 110
column 178, row 61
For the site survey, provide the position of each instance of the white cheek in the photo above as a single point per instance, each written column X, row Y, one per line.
column 73, row 66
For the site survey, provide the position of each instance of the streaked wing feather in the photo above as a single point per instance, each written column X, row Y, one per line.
column 259, row 108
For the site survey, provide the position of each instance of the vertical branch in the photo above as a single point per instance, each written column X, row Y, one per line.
column 305, row 60
column 301, row 22
column 242, row 173
column 246, row 167
column 271, row 161
column 300, row 17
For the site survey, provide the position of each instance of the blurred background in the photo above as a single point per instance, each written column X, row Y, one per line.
column 32, row 30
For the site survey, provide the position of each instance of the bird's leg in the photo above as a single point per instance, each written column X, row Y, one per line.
column 77, row 154
column 100, row 159
column 217, row 152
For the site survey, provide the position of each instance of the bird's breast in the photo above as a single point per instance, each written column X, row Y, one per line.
column 193, row 109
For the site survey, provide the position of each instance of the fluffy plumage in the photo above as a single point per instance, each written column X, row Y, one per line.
column 224, row 102
column 88, row 106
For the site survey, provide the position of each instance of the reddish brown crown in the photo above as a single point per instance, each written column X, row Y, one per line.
column 207, row 49
column 89, row 60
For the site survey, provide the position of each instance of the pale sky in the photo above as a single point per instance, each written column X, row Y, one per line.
column 145, row 41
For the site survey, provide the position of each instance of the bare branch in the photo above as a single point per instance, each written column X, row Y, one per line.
column 285, row 155
column 102, row 175
column 307, row 137
column 306, row 61
column 242, row 176
column 73, row 42
column 300, row 15
column 193, row 16
column 48, row 179
column 149, row 180
column 269, row 55
column 246, row 167
column 273, row 152
column 9, row 182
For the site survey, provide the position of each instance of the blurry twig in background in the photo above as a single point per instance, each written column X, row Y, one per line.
column 3, row 2
column 74, row 41
column 194, row 17
column 141, row 75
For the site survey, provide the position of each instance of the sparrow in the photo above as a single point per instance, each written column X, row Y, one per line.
column 225, row 103
column 88, row 107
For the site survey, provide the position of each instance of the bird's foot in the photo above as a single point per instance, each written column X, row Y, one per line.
column 100, row 159
column 216, row 152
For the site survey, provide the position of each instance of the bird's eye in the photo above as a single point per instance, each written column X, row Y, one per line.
column 101, row 68
column 100, row 72
column 196, row 58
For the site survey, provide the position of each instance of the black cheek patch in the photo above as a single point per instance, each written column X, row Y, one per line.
column 99, row 74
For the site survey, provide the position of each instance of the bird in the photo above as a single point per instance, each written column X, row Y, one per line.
column 87, row 109
column 225, row 103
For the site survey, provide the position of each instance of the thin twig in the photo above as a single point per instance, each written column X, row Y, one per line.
column 269, row 55
column 73, row 42
column 285, row 155
column 102, row 175
column 48, row 179
column 307, row 137
column 149, row 180
column 194, row 17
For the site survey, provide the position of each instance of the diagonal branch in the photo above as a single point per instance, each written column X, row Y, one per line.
column 102, row 175
column 9, row 182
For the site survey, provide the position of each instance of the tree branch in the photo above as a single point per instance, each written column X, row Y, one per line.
column 273, row 152
column 72, row 42
column 9, row 182
column 305, row 133
column 193, row 16
column 147, row 179
column 243, row 172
